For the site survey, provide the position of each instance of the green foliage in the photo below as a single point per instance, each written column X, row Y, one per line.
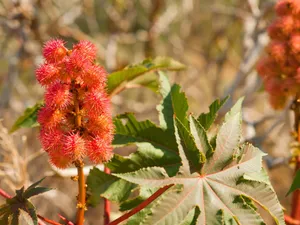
column 19, row 210
column 231, row 178
column 127, row 77
column 207, row 119
column 296, row 183
column 221, row 170
column 28, row 119
column 98, row 183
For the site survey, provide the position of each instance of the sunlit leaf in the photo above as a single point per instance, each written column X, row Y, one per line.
column 28, row 119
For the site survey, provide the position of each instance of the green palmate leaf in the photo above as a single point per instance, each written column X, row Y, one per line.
column 207, row 119
column 169, row 106
column 28, row 119
column 144, row 193
column 192, row 216
column 19, row 210
column 201, row 139
column 25, row 218
column 165, row 108
column 228, row 189
column 296, row 183
column 148, row 80
column 118, row 80
column 187, row 142
column 108, row 186
column 159, row 147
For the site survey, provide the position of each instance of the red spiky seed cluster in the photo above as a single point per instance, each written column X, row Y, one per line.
column 76, row 119
column 280, row 69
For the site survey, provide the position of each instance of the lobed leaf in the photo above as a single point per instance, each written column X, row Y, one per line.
column 28, row 119
column 19, row 210
column 159, row 146
column 227, row 188
column 296, row 183
column 207, row 119
column 108, row 186
column 119, row 79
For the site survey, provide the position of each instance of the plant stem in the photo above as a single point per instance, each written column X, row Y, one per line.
column 290, row 221
column 142, row 205
column 106, row 203
column 5, row 195
column 81, row 207
column 48, row 221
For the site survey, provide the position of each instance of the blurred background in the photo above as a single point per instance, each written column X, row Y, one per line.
column 220, row 41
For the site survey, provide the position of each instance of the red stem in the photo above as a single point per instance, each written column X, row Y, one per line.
column 142, row 205
column 106, row 204
column 290, row 221
column 48, row 220
column 5, row 195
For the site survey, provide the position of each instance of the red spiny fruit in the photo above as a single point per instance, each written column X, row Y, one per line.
column 58, row 95
column 280, row 69
column 47, row 74
column 278, row 51
column 59, row 160
column 295, row 43
column 76, row 119
column 96, row 102
column 99, row 125
column 95, row 77
column 74, row 146
column 284, row 7
column 86, row 48
column 51, row 139
column 267, row 67
column 98, row 150
column 50, row 118
column 54, row 51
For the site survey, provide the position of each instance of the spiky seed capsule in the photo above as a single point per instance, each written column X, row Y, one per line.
column 75, row 92
column 54, row 51
column 99, row 150
column 58, row 96
column 74, row 146
column 279, row 69
column 47, row 74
